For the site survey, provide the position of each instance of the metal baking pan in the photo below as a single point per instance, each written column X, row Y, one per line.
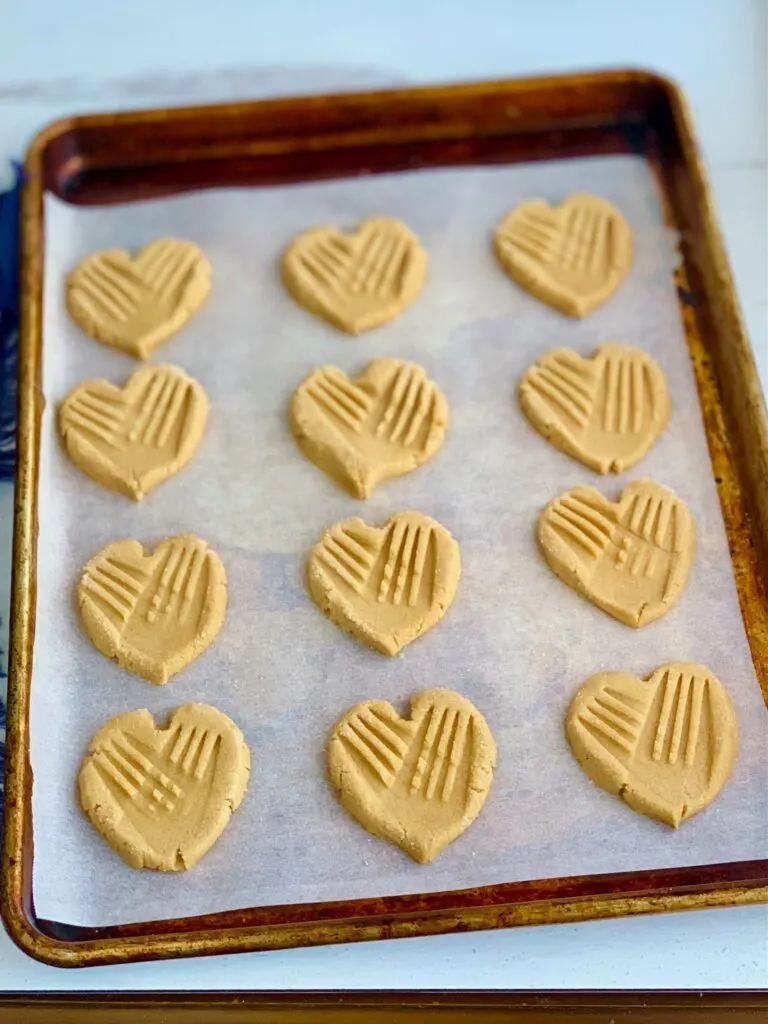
column 113, row 158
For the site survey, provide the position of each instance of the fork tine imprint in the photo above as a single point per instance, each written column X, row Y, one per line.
column 385, row 586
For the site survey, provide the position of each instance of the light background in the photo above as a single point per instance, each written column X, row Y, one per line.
column 87, row 55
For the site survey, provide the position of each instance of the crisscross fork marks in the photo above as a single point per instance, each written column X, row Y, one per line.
column 609, row 716
column 442, row 752
column 632, row 394
column 379, row 266
column 143, row 779
column 583, row 243
column 166, row 266
column 420, row 781
column 98, row 416
column 161, row 407
column 655, row 528
column 379, row 739
column 557, row 380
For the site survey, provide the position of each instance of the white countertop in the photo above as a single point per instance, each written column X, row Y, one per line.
column 86, row 55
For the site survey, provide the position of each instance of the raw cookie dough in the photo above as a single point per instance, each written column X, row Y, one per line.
column 606, row 411
column 665, row 745
column 153, row 613
column 359, row 280
column 385, row 586
column 631, row 558
column 134, row 303
column 387, row 422
column 418, row 782
column 572, row 256
column 133, row 438
column 162, row 797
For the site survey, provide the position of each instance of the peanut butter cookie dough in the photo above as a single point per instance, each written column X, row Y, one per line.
column 665, row 745
column 418, row 782
column 388, row 421
column 631, row 557
column 132, row 438
column 385, row 586
column 153, row 613
column 606, row 411
column 135, row 303
column 162, row 797
column 571, row 256
column 359, row 280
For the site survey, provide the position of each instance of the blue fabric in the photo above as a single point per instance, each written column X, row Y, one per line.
column 3, row 679
column 9, row 334
column 9, row 322
column 10, row 203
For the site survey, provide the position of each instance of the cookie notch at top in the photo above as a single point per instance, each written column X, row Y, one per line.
column 356, row 280
column 571, row 256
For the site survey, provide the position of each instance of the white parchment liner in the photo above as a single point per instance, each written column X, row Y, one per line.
column 516, row 641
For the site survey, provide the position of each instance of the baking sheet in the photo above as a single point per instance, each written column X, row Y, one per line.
column 516, row 641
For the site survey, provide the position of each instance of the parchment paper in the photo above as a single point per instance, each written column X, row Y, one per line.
column 516, row 641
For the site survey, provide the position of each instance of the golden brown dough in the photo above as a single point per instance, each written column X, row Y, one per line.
column 631, row 557
column 385, row 586
column 388, row 421
column 133, row 438
column 665, row 745
column 572, row 256
column 418, row 782
column 162, row 797
column 359, row 280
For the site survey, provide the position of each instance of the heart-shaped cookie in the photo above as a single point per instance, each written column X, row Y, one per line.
column 162, row 797
column 572, row 256
column 606, row 411
column 133, row 438
column 631, row 557
column 134, row 303
column 418, row 782
column 387, row 422
column 385, row 586
column 359, row 280
column 153, row 613
column 665, row 745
